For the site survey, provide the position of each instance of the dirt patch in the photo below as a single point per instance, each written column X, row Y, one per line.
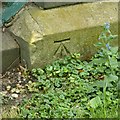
column 14, row 90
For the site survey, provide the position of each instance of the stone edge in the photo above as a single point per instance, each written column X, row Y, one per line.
column 0, row 59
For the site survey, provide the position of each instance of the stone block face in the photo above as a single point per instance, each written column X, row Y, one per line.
column 50, row 34
column 47, row 5
column 9, row 52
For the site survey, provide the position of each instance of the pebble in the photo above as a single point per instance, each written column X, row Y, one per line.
column 4, row 93
column 19, row 78
column 24, row 79
column 19, row 73
column 18, row 85
column 13, row 70
column 30, row 82
column 13, row 90
column 17, row 91
column 9, row 77
column 8, row 87
column 20, row 81
column 14, row 95
column 12, row 73
column 8, row 73
column 22, row 91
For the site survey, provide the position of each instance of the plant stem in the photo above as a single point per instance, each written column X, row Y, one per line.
column 110, row 64
column 104, row 92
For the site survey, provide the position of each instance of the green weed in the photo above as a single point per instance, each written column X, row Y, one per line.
column 70, row 88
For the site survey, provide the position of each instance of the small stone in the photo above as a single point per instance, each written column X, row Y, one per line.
column 19, row 73
column 30, row 82
column 14, row 107
column 20, row 81
column 8, row 73
column 4, row 93
column 14, row 95
column 24, row 79
column 22, row 90
column 18, row 86
column 17, row 91
column 12, row 73
column 13, row 90
column 13, row 70
column 19, row 78
column 8, row 87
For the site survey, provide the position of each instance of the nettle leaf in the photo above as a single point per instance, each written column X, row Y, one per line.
column 103, row 83
column 84, row 99
column 75, row 72
column 84, row 73
column 111, row 37
column 73, row 61
column 111, row 78
column 107, row 81
column 47, row 83
column 75, row 55
column 118, row 86
column 64, row 69
column 34, row 70
column 114, row 50
column 99, row 61
column 61, row 74
column 41, row 77
column 62, row 96
column 56, row 67
column 95, row 102
column 24, row 111
column 40, row 71
column 113, row 62
column 49, row 68
column 79, row 66
column 90, row 88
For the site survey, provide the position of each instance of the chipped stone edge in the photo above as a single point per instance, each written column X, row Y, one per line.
column 0, row 59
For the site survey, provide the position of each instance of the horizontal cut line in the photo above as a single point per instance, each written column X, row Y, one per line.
column 58, row 41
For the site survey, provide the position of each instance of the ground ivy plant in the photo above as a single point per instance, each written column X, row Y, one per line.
column 70, row 88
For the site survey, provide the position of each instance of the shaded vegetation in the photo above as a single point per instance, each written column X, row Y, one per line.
column 70, row 88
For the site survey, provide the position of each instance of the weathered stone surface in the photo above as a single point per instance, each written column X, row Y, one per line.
column 14, row 95
column 9, row 52
column 47, row 5
column 45, row 35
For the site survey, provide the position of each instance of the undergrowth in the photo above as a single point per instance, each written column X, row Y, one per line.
column 70, row 88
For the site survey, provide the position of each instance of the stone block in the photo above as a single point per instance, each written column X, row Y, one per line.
column 46, row 35
column 9, row 52
column 47, row 5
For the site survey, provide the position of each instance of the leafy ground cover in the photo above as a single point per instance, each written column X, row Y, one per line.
column 70, row 88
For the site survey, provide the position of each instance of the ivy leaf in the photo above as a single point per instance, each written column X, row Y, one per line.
column 65, row 70
column 49, row 68
column 40, row 71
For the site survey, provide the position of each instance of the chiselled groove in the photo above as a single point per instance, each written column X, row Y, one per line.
column 66, row 48
column 57, row 49
column 62, row 49
column 63, row 40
